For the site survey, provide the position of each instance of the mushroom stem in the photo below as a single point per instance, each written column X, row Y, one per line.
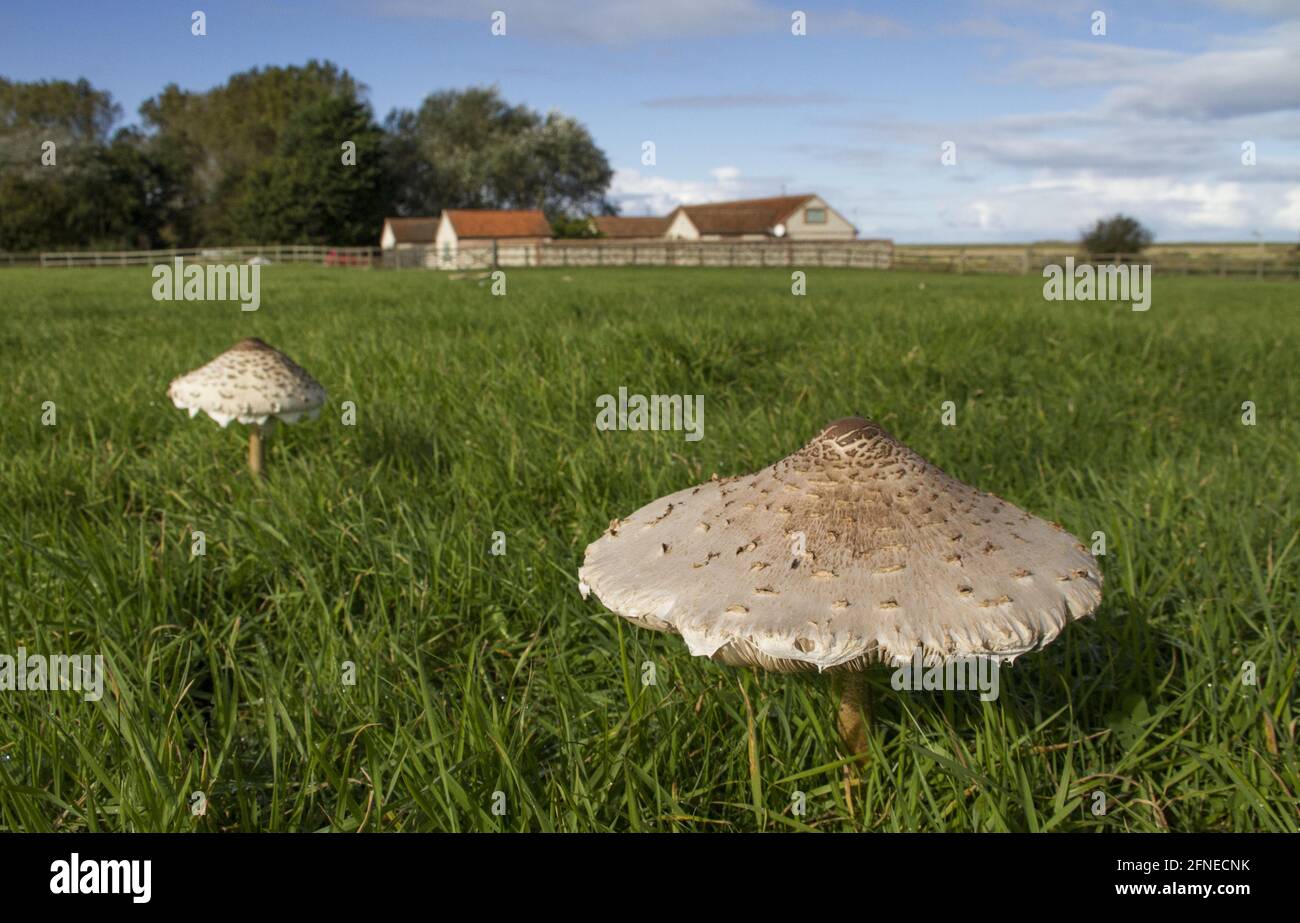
column 855, row 709
column 256, row 449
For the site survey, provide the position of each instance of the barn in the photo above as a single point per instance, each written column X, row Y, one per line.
column 801, row 217
column 464, row 238
column 470, row 238
column 407, row 233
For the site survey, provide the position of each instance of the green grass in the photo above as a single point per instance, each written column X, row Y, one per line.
column 477, row 674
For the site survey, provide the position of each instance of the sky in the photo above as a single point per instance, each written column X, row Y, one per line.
column 1051, row 125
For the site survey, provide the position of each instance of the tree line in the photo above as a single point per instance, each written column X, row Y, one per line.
column 275, row 155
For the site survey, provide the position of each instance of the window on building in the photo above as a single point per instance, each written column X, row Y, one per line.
column 814, row 215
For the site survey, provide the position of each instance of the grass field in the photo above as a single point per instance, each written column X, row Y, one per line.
column 478, row 674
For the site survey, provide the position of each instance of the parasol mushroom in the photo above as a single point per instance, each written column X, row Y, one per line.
column 255, row 384
column 897, row 558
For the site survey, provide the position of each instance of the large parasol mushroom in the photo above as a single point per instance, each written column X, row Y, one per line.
column 255, row 384
column 897, row 557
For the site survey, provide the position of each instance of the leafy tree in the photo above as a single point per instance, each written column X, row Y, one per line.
column 259, row 159
column 568, row 227
column 306, row 193
column 120, row 197
column 32, row 213
column 98, row 192
column 75, row 116
column 564, row 169
column 412, row 175
column 225, row 135
column 1117, row 234
column 472, row 149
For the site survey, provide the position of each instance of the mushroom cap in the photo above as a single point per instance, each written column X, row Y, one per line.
column 251, row 382
column 898, row 557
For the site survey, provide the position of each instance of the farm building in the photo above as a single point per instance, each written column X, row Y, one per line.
column 464, row 238
column 405, row 233
column 617, row 228
column 802, row 217
column 480, row 238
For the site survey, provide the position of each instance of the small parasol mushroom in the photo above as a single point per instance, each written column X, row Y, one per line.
column 897, row 557
column 255, row 384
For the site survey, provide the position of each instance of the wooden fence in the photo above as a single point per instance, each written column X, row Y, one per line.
column 858, row 254
column 1234, row 263
column 315, row 255
column 855, row 254
column 1031, row 261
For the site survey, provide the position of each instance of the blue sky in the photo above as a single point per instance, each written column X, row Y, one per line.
column 1053, row 126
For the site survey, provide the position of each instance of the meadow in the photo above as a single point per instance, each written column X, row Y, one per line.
column 366, row 554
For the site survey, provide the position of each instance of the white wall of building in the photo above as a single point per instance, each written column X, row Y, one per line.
column 835, row 227
column 681, row 228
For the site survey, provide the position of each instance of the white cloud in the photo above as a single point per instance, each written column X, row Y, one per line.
column 984, row 216
column 1166, row 204
column 639, row 193
column 1243, row 76
column 1218, row 84
column 1288, row 216
column 966, row 216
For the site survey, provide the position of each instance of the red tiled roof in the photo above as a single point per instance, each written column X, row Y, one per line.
column 614, row 226
column 491, row 223
column 413, row 230
column 748, row 216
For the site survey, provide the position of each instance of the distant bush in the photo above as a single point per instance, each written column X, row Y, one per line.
column 1117, row 234
column 565, row 227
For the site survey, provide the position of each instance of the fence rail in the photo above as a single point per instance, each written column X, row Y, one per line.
column 317, row 255
column 858, row 254
column 1235, row 263
column 1031, row 261
column 862, row 254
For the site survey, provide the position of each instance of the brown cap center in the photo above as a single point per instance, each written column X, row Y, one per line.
column 251, row 343
column 859, row 427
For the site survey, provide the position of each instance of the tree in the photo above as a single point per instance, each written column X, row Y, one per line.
column 259, row 159
column 306, row 192
column 94, row 191
column 1117, row 234
column 75, row 116
column 119, row 196
column 222, row 137
column 472, row 149
column 32, row 213
column 568, row 227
